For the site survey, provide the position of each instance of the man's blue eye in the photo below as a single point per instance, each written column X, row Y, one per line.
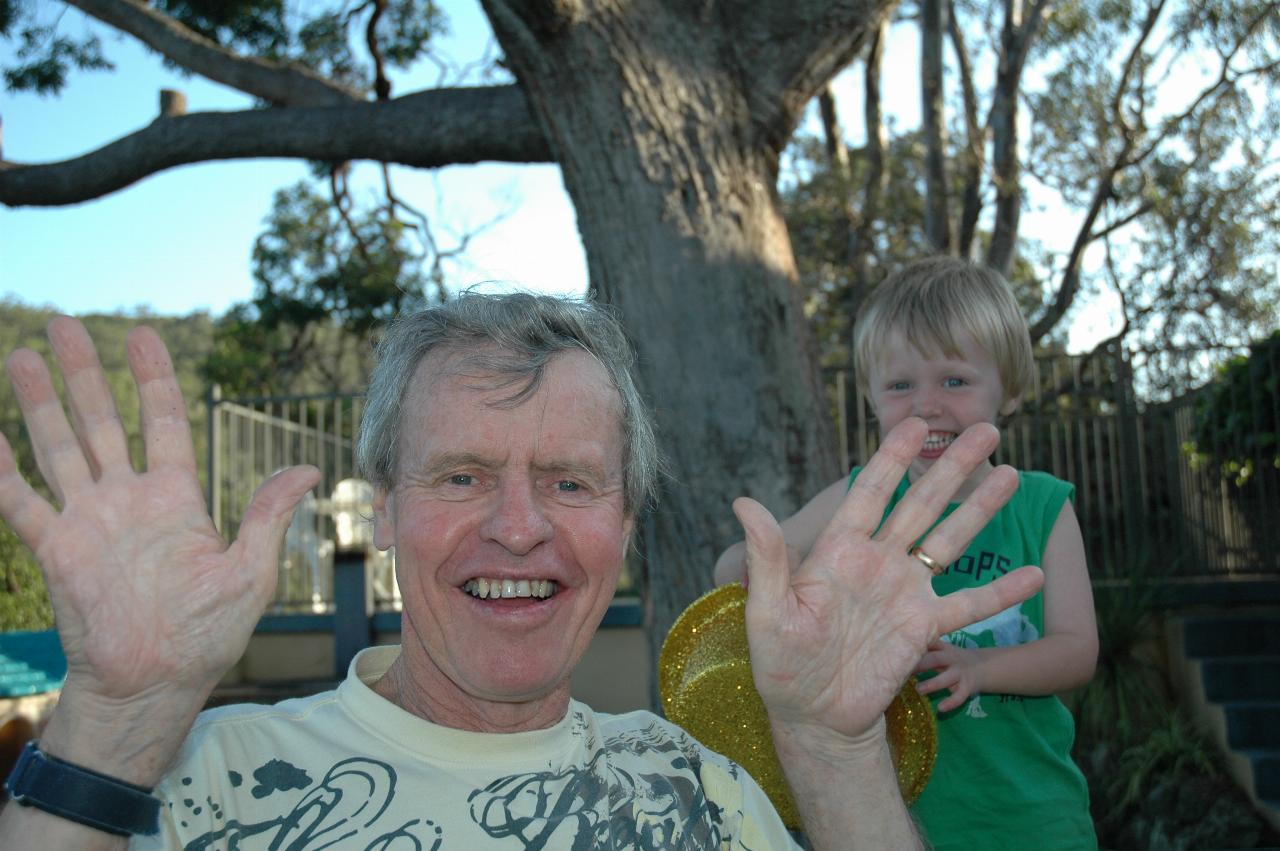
column 461, row 479
column 566, row 486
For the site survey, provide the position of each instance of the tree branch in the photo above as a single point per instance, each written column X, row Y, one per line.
column 973, row 156
column 428, row 129
column 381, row 85
column 1102, row 192
column 276, row 83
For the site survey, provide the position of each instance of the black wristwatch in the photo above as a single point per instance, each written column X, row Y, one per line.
column 73, row 792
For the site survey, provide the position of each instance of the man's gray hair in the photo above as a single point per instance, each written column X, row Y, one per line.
column 513, row 336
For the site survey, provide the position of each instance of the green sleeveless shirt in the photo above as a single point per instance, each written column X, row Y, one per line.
column 1004, row 777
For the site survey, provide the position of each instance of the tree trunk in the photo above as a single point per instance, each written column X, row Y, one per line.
column 671, row 164
column 937, row 218
column 1021, row 27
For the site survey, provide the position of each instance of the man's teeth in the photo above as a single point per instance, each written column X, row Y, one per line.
column 492, row 589
column 934, row 442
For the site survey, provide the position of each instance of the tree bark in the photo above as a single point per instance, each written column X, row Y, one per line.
column 668, row 128
column 937, row 206
column 832, row 132
column 973, row 157
column 1017, row 35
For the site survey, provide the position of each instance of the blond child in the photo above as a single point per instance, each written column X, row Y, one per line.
column 944, row 340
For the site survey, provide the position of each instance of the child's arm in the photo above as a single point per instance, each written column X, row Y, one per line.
column 1061, row 660
column 800, row 531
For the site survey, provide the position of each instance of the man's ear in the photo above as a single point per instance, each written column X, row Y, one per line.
column 384, row 528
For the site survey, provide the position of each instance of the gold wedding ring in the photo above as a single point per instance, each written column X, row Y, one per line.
column 935, row 567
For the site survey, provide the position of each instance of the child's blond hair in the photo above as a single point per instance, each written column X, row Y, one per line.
column 934, row 303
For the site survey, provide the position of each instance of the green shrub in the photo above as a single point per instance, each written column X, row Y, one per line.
column 24, row 601
column 1237, row 416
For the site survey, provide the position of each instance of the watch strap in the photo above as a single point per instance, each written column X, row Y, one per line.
column 82, row 795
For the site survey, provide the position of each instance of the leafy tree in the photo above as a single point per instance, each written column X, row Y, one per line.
column 325, row 278
column 1152, row 124
column 1237, row 417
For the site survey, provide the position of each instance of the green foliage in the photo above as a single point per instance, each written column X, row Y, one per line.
column 1191, row 213
column 1237, row 417
column 328, row 38
column 24, row 601
column 1128, row 692
column 326, row 278
column 1196, row 150
column 815, row 198
column 46, row 57
column 254, row 25
column 1173, row 750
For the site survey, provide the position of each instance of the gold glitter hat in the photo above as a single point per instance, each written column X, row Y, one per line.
column 704, row 676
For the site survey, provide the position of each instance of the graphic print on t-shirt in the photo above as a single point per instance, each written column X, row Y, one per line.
column 617, row 800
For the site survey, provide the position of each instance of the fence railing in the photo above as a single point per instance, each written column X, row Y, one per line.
column 249, row 439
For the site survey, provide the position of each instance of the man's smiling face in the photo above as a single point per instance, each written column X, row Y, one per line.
column 509, row 525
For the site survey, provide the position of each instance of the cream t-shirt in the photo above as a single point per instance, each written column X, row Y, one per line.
column 347, row 769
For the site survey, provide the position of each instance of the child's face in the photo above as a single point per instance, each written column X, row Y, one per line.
column 948, row 393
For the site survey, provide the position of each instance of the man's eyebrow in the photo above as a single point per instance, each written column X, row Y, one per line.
column 441, row 462
column 580, row 469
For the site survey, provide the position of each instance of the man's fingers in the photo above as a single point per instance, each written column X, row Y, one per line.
column 863, row 507
column 269, row 513
column 165, row 428
column 768, row 571
column 93, row 409
column 58, row 453
column 947, row 541
column 971, row 605
column 22, row 508
column 929, row 497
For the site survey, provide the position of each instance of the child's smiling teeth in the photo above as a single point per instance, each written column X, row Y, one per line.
column 492, row 589
column 938, row 440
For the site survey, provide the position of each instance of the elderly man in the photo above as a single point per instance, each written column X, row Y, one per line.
column 511, row 454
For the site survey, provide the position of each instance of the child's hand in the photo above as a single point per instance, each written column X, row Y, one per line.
column 958, row 670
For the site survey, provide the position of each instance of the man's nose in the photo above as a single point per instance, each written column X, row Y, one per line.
column 516, row 520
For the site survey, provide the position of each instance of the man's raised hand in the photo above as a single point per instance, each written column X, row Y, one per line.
column 833, row 640
column 152, row 606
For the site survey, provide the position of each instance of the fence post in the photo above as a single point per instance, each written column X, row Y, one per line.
column 352, row 607
column 1130, row 459
column 213, row 465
